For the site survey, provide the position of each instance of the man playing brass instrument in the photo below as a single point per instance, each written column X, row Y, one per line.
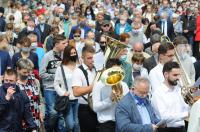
column 105, row 100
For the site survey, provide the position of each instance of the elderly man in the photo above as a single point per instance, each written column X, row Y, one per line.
column 138, row 47
column 134, row 112
column 137, row 34
column 181, row 43
column 166, row 25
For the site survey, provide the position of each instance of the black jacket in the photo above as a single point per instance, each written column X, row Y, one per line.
column 197, row 69
column 14, row 111
column 170, row 29
column 45, row 33
column 149, row 63
column 2, row 24
column 189, row 24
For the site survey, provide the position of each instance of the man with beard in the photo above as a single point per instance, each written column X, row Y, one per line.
column 168, row 101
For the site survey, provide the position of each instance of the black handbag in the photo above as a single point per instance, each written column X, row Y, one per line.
column 62, row 102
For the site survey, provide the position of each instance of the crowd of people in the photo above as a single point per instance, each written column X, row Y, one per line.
column 56, row 48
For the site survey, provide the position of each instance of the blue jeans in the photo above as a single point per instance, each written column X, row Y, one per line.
column 72, row 123
column 191, row 40
column 53, row 120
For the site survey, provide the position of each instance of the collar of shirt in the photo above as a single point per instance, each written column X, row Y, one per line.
column 160, row 66
column 136, row 101
column 87, row 68
column 167, row 89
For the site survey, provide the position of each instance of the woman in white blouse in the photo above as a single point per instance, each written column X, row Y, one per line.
column 69, row 63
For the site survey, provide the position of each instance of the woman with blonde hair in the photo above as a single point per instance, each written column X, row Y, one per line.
column 30, row 85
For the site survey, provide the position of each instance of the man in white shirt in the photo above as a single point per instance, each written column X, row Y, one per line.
column 82, row 84
column 168, row 101
column 166, row 54
column 103, row 102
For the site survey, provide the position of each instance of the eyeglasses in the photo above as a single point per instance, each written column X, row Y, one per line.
column 172, row 55
column 107, row 25
column 76, row 35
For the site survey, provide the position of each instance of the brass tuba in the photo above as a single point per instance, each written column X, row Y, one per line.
column 112, row 50
column 113, row 76
column 186, row 82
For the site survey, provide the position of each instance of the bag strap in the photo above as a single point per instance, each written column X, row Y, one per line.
column 86, row 77
column 64, row 78
column 85, row 74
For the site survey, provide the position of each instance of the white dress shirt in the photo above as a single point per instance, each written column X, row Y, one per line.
column 79, row 47
column 99, row 60
column 102, row 103
column 165, row 27
column 194, row 120
column 78, row 79
column 169, row 105
column 156, row 76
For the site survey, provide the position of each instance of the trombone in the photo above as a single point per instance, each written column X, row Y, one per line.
column 185, row 88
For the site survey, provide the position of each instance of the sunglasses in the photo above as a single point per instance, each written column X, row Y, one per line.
column 76, row 35
column 107, row 25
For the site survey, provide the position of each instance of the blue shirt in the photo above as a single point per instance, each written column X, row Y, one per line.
column 144, row 114
column 40, row 52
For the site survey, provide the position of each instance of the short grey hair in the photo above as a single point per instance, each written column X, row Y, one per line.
column 155, row 38
column 140, row 79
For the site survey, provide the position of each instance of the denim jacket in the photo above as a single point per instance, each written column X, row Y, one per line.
column 127, row 29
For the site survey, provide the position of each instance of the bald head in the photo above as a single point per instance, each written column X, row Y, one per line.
column 138, row 47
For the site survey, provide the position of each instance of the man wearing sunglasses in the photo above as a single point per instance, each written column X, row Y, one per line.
column 14, row 105
column 106, row 29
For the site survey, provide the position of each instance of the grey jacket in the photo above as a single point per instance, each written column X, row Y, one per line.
column 49, row 64
column 128, row 117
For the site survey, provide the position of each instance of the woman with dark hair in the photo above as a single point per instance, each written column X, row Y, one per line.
column 89, row 13
column 150, row 28
column 69, row 63
column 82, row 9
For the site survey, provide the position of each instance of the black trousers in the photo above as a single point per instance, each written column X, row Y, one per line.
column 108, row 126
column 172, row 129
column 87, row 119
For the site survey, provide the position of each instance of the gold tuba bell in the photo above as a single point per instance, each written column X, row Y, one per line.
column 113, row 76
column 186, row 82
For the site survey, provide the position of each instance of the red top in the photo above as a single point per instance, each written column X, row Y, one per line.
column 197, row 37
